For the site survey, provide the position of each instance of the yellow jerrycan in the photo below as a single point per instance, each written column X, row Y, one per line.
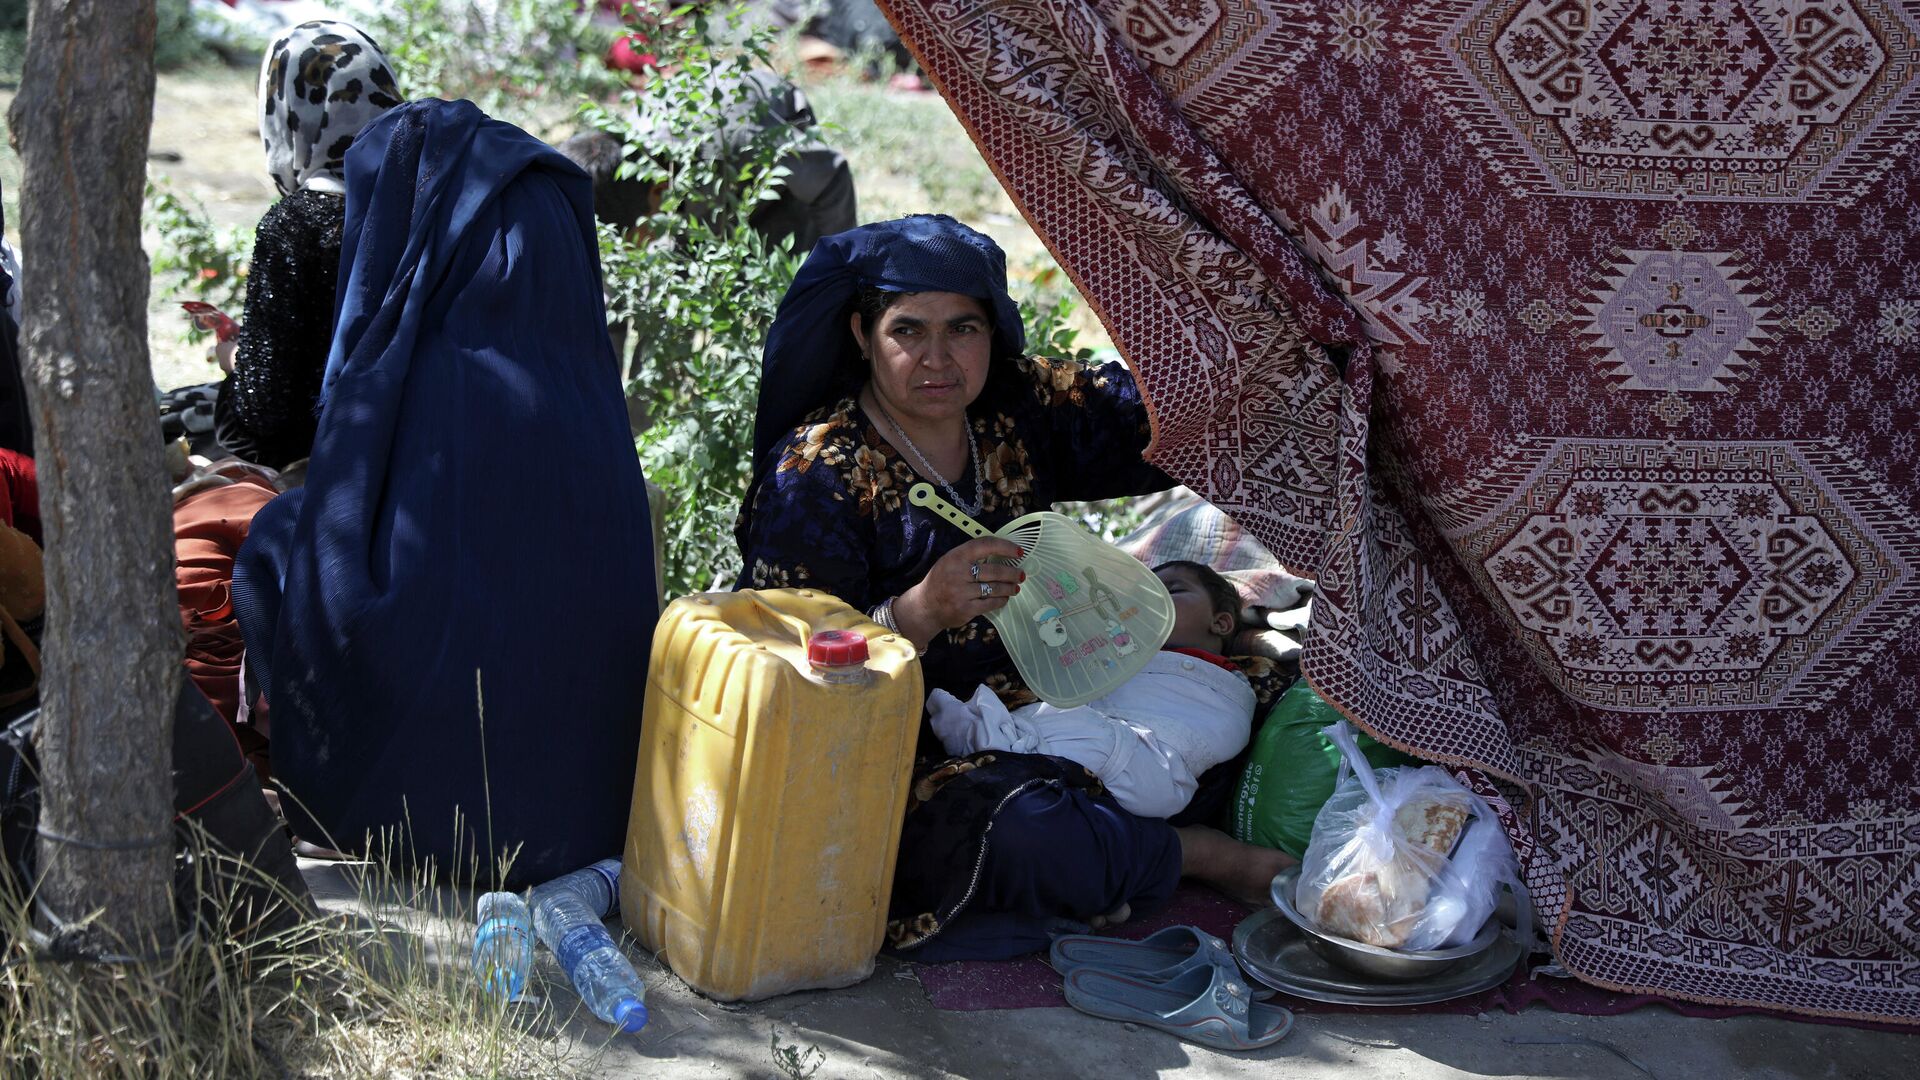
column 775, row 754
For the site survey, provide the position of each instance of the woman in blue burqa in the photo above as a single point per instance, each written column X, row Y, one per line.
column 452, row 618
column 896, row 358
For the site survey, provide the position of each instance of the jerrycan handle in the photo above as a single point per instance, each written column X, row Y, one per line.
column 793, row 627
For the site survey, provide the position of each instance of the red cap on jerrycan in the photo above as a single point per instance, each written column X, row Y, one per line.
column 838, row 656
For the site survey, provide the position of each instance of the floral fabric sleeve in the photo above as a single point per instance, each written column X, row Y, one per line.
column 808, row 533
column 1098, row 425
column 1270, row 679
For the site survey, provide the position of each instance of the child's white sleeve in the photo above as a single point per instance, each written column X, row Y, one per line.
column 983, row 723
column 1147, row 779
column 1143, row 776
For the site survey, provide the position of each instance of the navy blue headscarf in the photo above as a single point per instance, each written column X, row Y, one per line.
column 474, row 512
column 811, row 344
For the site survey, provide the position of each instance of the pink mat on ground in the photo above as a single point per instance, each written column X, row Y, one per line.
column 1028, row 983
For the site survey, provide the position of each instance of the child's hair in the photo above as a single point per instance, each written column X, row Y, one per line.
column 1225, row 597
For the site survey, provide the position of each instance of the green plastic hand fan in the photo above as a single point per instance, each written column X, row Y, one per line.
column 1088, row 617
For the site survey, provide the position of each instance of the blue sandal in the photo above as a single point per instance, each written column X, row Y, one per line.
column 1159, row 956
column 1209, row 1005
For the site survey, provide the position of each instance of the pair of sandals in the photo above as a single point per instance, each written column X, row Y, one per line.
column 1181, row 980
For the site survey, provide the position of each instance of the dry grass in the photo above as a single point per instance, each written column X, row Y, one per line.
column 378, row 991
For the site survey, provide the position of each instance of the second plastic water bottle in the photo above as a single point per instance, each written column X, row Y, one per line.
column 566, row 914
column 503, row 944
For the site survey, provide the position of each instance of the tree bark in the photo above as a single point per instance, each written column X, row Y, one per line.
column 113, row 643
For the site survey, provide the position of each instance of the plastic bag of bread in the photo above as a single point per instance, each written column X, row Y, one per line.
column 1402, row 858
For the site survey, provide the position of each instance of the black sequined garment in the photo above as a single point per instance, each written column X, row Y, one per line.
column 268, row 405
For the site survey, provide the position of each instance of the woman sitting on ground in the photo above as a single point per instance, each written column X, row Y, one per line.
column 896, row 358
column 452, row 633
column 320, row 84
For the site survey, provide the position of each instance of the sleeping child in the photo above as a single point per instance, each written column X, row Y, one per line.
column 1149, row 740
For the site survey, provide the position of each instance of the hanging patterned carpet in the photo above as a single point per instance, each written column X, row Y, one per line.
column 1574, row 348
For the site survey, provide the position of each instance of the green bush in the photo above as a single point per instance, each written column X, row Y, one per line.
column 176, row 43
column 525, row 61
column 207, row 263
column 1049, row 326
column 696, row 286
column 13, row 40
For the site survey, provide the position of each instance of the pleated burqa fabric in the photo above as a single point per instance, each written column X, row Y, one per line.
column 452, row 618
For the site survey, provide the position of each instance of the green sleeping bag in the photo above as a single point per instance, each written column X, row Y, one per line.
column 1291, row 769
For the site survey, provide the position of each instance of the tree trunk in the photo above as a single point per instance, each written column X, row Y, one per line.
column 113, row 641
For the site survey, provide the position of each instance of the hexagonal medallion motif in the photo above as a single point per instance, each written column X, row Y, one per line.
column 1650, row 575
column 1677, row 321
column 1711, row 99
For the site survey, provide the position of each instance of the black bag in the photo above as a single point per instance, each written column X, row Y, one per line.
column 19, row 801
column 214, row 788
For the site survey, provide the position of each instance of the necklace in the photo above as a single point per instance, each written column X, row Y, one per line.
column 973, row 450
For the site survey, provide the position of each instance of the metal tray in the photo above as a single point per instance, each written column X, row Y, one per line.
column 1386, row 965
column 1275, row 953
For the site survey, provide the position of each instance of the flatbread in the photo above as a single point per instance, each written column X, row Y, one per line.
column 1375, row 907
column 1380, row 904
column 1434, row 821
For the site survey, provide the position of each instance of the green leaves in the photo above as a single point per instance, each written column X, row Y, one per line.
column 695, row 285
column 512, row 58
column 207, row 263
column 1049, row 331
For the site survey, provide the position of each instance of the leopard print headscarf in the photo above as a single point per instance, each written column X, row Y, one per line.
column 320, row 84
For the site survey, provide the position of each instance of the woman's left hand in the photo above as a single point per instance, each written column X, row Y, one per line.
column 971, row 580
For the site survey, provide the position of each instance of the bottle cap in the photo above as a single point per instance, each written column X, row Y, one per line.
column 629, row 1015
column 837, row 648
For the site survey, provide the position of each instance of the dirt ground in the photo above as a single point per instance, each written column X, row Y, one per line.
column 206, row 147
column 887, row 1027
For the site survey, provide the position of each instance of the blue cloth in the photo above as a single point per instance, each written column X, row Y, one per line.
column 812, row 358
column 998, row 850
column 1057, row 857
column 474, row 520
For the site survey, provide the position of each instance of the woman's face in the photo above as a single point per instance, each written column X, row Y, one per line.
column 929, row 354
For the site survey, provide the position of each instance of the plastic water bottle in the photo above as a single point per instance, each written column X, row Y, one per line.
column 566, row 914
column 503, row 944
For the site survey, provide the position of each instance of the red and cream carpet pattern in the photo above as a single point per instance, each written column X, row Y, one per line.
column 1574, row 349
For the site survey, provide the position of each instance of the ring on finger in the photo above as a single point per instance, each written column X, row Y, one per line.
column 974, row 571
column 986, row 588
